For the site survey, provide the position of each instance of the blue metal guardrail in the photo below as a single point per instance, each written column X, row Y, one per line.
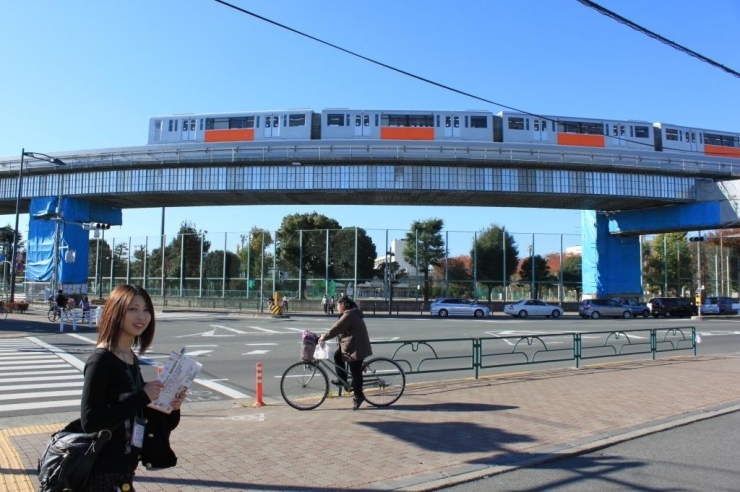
column 461, row 354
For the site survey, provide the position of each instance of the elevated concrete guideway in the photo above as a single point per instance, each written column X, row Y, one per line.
column 370, row 172
column 623, row 193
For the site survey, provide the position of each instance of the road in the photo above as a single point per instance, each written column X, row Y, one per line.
column 697, row 457
column 40, row 371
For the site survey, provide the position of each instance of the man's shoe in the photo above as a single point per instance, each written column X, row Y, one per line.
column 358, row 402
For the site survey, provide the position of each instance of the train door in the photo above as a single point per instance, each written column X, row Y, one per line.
column 452, row 126
column 188, row 129
column 616, row 133
column 362, row 125
column 539, row 128
column 272, row 126
column 691, row 140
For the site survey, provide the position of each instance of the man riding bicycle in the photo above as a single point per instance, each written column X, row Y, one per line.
column 354, row 345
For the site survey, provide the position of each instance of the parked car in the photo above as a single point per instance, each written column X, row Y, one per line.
column 672, row 306
column 533, row 307
column 710, row 306
column 719, row 305
column 596, row 308
column 455, row 306
column 637, row 308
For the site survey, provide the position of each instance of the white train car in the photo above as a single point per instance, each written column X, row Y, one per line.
column 246, row 126
column 406, row 125
column 568, row 131
column 677, row 138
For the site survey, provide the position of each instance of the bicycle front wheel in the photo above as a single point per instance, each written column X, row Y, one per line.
column 383, row 381
column 53, row 314
column 304, row 385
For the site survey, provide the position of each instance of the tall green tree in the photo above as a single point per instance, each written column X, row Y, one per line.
column 572, row 273
column 541, row 273
column 343, row 246
column 430, row 249
column 668, row 264
column 309, row 248
column 256, row 245
column 496, row 255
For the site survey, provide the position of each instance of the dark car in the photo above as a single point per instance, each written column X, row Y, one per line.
column 672, row 306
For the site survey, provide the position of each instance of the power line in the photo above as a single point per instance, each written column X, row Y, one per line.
column 409, row 74
column 647, row 32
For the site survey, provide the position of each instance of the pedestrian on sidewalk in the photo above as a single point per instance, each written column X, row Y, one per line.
column 115, row 396
column 354, row 346
column 325, row 305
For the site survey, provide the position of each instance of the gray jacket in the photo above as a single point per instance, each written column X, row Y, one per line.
column 352, row 335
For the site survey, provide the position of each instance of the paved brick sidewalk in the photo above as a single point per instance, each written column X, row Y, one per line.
column 438, row 434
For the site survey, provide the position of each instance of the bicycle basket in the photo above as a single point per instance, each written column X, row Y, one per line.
column 307, row 349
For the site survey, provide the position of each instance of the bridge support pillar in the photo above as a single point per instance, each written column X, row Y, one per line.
column 610, row 264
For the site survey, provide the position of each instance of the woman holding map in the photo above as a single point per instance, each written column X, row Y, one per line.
column 114, row 395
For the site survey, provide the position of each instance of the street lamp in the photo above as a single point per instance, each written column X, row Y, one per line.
column 41, row 157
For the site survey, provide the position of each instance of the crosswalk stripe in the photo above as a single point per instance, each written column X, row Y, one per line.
column 266, row 330
column 12, row 407
column 23, row 387
column 27, row 357
column 36, row 373
column 42, row 394
column 43, row 366
column 41, row 378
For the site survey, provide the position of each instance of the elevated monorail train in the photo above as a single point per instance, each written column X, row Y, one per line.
column 440, row 126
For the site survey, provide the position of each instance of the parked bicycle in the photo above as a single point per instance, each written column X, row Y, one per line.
column 305, row 384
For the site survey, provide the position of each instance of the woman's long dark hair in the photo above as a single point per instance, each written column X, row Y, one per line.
column 114, row 310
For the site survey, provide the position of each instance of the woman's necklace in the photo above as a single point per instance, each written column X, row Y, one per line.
column 125, row 356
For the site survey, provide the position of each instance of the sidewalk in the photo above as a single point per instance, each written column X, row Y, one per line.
column 436, row 435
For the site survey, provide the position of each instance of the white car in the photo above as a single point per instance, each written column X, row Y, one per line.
column 533, row 307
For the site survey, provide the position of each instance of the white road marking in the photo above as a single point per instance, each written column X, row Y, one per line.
column 43, row 394
column 196, row 353
column 229, row 329
column 256, row 352
column 266, row 330
column 23, row 387
column 211, row 333
column 12, row 407
column 258, row 344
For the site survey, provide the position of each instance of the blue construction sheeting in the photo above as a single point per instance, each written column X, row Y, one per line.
column 689, row 217
column 610, row 264
column 42, row 226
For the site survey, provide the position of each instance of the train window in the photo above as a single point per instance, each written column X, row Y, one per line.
column 632, row 133
column 376, row 119
column 516, row 123
column 285, row 120
column 526, row 122
column 241, row 122
column 687, row 136
column 642, row 132
column 184, row 125
column 170, row 126
column 257, row 122
column 466, row 121
column 192, row 125
column 176, row 121
column 456, row 121
column 297, row 120
column 267, row 122
column 615, row 131
column 358, row 122
column 621, row 130
column 478, row 122
column 723, row 140
column 448, row 121
column 334, row 120
column 366, row 120
column 693, row 137
column 544, row 125
column 437, row 124
column 536, row 124
column 157, row 125
column 275, row 121
column 671, row 134
column 680, row 135
column 201, row 124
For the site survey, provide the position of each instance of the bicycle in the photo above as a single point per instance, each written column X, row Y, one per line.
column 3, row 311
column 55, row 312
column 305, row 384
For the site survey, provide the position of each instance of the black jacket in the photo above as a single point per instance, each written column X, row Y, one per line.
column 157, row 452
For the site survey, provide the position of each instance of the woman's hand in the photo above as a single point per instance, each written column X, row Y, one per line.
column 177, row 402
column 153, row 388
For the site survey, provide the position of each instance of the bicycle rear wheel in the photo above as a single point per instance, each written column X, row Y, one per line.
column 53, row 314
column 383, row 381
column 304, row 385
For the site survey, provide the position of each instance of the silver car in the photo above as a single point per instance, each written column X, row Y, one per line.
column 456, row 306
column 596, row 308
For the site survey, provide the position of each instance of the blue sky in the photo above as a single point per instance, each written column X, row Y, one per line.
column 80, row 75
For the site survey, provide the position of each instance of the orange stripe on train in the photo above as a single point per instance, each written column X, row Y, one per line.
column 721, row 151
column 405, row 133
column 235, row 135
column 580, row 140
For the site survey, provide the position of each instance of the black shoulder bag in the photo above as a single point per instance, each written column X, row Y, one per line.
column 69, row 456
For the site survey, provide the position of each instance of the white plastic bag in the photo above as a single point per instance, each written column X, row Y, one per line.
column 323, row 351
